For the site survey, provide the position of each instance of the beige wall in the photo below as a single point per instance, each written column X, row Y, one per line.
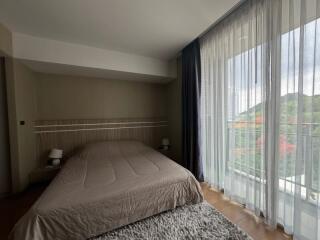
column 26, row 111
column 5, row 41
column 5, row 176
column 65, row 97
column 35, row 96
column 22, row 107
column 175, row 115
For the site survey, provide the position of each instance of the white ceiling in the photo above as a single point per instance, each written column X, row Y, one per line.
column 152, row 28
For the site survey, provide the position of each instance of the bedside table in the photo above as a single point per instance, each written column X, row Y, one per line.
column 167, row 152
column 44, row 174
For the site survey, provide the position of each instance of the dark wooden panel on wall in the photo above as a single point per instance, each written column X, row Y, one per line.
column 71, row 135
column 5, row 177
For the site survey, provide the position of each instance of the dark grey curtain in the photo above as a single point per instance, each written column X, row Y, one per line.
column 191, row 83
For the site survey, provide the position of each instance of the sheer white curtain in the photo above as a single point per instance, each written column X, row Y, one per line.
column 260, row 111
column 234, row 81
column 299, row 151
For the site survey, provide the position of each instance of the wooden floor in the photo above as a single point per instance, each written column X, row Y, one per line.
column 12, row 208
column 243, row 218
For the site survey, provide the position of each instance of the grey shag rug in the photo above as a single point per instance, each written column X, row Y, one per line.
column 199, row 221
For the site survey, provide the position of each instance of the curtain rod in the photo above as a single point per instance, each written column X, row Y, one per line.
column 219, row 20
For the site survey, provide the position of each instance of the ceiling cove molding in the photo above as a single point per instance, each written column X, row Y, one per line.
column 26, row 47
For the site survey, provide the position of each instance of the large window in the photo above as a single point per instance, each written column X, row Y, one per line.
column 246, row 113
column 245, row 125
column 260, row 111
column 307, row 98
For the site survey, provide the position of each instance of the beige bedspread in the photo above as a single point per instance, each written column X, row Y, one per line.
column 105, row 186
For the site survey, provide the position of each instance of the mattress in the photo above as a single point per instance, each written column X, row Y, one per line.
column 105, row 186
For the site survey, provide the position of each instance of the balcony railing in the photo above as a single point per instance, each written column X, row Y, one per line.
column 245, row 156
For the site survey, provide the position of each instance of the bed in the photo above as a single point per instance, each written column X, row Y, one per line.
column 105, row 186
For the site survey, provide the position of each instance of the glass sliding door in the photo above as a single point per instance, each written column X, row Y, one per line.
column 234, row 73
column 299, row 156
column 244, row 175
column 260, row 111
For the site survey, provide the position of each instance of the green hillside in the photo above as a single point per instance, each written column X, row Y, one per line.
column 246, row 131
column 288, row 113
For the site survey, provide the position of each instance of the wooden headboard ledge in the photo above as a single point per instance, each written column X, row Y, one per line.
column 71, row 135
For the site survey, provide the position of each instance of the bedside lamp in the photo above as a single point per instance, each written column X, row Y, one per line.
column 55, row 155
column 165, row 143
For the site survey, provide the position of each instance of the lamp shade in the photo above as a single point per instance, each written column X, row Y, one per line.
column 165, row 142
column 55, row 153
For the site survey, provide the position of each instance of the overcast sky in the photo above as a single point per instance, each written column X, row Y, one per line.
column 248, row 88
